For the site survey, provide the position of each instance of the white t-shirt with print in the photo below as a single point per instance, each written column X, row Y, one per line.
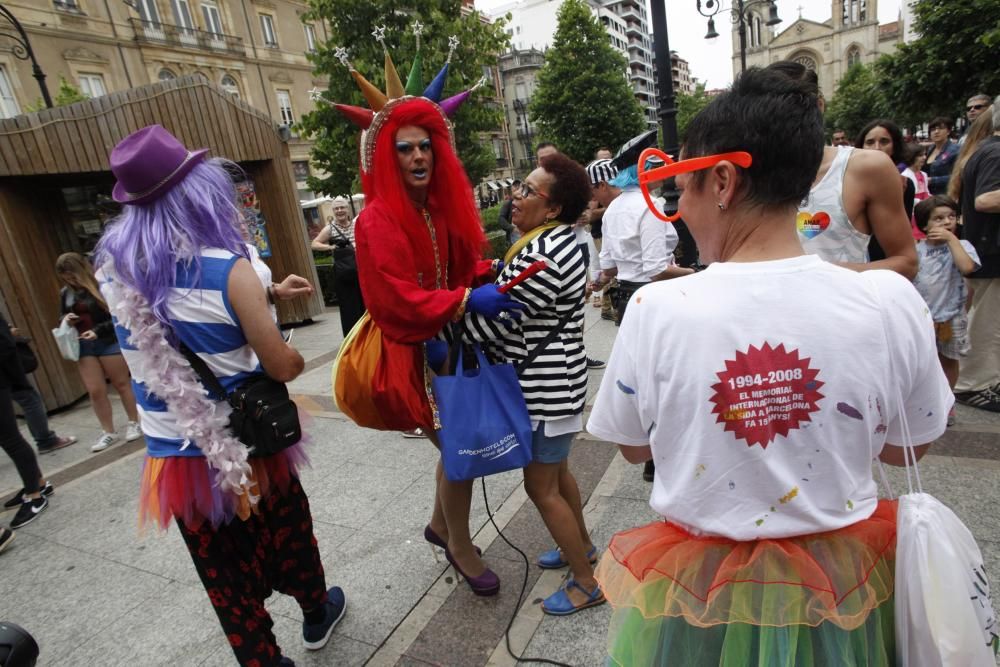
column 765, row 390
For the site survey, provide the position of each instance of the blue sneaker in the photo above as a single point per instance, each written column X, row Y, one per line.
column 315, row 637
column 559, row 604
column 553, row 560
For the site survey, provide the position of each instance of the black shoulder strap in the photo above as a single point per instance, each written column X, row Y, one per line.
column 340, row 232
column 521, row 367
column 204, row 372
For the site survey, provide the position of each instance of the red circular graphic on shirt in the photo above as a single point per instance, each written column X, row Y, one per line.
column 765, row 392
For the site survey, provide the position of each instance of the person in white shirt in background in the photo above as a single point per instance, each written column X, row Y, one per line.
column 291, row 287
column 636, row 247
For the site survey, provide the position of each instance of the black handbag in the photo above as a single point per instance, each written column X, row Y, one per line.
column 29, row 362
column 264, row 418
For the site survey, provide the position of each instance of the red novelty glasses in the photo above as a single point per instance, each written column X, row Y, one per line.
column 671, row 169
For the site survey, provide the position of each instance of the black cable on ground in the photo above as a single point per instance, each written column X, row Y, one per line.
column 520, row 596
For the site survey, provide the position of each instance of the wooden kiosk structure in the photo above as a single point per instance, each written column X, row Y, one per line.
column 54, row 163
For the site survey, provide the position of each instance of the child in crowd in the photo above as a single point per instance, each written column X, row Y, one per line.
column 914, row 157
column 944, row 261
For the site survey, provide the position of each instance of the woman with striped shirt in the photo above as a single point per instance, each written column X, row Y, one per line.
column 555, row 382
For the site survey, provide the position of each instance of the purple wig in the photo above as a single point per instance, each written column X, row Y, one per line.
column 147, row 242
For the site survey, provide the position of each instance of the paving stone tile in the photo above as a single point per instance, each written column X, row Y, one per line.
column 341, row 650
column 177, row 626
column 580, row 639
column 467, row 627
column 65, row 597
column 351, row 494
column 383, row 577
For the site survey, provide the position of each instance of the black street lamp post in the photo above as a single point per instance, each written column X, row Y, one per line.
column 22, row 51
column 738, row 15
column 666, row 105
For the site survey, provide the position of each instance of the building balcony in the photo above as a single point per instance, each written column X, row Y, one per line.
column 164, row 34
column 631, row 11
column 525, row 134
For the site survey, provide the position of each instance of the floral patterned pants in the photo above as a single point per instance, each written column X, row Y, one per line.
column 241, row 563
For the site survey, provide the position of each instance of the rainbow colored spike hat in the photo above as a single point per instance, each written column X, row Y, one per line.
column 381, row 104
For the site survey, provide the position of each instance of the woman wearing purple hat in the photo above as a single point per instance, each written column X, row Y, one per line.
column 175, row 272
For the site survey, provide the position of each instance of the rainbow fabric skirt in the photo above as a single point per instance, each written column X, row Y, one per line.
column 822, row 599
column 184, row 487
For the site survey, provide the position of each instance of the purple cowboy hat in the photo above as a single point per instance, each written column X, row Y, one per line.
column 148, row 162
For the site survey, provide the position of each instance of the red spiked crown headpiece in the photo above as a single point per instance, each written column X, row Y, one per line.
column 381, row 104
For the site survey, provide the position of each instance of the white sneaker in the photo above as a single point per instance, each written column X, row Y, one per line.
column 105, row 441
column 132, row 432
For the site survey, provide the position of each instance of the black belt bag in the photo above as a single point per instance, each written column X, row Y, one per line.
column 264, row 418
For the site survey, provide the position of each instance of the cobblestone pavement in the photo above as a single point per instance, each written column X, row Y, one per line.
column 96, row 592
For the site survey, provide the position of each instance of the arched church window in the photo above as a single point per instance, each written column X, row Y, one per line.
column 853, row 56
column 166, row 75
column 806, row 61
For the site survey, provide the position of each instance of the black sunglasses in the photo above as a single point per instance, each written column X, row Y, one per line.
column 975, row 107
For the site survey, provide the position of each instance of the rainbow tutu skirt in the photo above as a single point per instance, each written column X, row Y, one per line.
column 822, row 599
column 184, row 487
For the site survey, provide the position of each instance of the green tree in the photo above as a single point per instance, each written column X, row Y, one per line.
column 954, row 57
column 689, row 106
column 336, row 139
column 858, row 100
column 583, row 99
column 66, row 95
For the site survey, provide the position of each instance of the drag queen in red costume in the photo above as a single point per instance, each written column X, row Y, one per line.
column 419, row 240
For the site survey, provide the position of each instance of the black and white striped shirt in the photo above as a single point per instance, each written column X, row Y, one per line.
column 555, row 384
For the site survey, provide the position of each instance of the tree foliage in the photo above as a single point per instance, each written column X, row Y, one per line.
column 954, row 57
column 689, row 106
column 66, row 95
column 583, row 99
column 351, row 21
column 859, row 99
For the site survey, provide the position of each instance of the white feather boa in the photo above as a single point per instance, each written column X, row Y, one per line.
column 169, row 376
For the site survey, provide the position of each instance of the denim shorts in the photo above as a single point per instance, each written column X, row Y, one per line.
column 550, row 449
column 99, row 348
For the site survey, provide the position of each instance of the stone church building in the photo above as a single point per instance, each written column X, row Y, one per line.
column 851, row 35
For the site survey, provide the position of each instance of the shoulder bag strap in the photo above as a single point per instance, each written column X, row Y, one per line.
column 204, row 372
column 334, row 227
column 521, row 367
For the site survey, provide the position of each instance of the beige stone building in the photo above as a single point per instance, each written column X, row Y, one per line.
column 255, row 49
column 851, row 35
column 680, row 73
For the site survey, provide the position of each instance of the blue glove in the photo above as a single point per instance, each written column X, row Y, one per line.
column 488, row 301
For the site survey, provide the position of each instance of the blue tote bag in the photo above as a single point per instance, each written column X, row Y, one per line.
column 485, row 426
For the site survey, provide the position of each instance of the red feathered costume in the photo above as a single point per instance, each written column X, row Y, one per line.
column 411, row 294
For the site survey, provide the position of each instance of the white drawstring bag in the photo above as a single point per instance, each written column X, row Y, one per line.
column 943, row 612
column 68, row 341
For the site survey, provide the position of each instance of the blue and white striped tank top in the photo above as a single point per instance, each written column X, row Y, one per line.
column 203, row 319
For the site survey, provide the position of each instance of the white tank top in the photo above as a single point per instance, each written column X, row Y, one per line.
column 823, row 225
